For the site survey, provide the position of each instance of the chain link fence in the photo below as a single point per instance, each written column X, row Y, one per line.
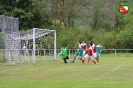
column 9, row 30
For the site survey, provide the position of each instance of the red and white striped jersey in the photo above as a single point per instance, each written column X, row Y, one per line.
column 83, row 46
column 90, row 51
column 94, row 48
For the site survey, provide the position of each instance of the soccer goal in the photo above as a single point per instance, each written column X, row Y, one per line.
column 38, row 41
column 25, row 46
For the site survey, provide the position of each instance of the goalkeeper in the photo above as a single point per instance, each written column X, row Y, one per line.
column 63, row 54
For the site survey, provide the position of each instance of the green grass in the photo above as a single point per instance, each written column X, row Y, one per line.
column 110, row 72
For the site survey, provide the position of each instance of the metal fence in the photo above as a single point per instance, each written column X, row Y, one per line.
column 118, row 52
column 48, row 54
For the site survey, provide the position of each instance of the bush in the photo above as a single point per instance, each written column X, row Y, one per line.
column 109, row 40
column 125, row 37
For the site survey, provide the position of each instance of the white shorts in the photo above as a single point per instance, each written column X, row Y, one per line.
column 83, row 51
column 87, row 56
column 94, row 54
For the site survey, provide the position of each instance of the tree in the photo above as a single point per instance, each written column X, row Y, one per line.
column 125, row 36
column 63, row 12
column 27, row 11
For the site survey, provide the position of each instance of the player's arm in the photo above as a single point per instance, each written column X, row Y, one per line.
column 60, row 54
column 67, row 46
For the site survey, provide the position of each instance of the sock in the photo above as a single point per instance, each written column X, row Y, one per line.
column 94, row 62
column 74, row 59
column 83, row 61
column 96, row 58
column 88, row 59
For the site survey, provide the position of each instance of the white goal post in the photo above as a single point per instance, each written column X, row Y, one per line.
column 36, row 33
column 22, row 46
column 45, row 31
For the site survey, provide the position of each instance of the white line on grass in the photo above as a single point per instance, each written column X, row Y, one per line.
column 120, row 66
column 14, row 69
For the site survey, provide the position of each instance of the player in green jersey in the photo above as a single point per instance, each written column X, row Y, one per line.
column 79, row 52
column 98, row 50
column 63, row 54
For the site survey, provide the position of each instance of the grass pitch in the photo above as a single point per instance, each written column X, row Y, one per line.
column 110, row 72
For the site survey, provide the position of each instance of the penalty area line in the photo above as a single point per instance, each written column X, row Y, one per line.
column 120, row 66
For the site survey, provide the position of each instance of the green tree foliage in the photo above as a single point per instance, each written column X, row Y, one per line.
column 108, row 40
column 73, row 35
column 27, row 11
column 63, row 13
column 125, row 37
column 73, row 20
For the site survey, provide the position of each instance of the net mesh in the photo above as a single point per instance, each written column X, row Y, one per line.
column 10, row 29
column 18, row 46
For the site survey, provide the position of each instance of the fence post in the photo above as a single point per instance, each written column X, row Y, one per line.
column 38, row 54
column 115, row 52
column 69, row 53
column 44, row 54
column 49, row 54
column 34, row 47
column 55, row 45
column 9, row 57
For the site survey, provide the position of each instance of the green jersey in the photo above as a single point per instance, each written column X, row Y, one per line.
column 98, row 48
column 63, row 53
column 80, row 48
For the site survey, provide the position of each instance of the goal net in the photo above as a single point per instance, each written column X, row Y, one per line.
column 25, row 46
column 38, row 43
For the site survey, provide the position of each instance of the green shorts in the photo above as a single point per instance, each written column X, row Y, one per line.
column 98, row 55
column 79, row 53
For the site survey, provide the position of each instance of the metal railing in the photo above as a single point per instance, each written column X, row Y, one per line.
column 115, row 51
column 48, row 54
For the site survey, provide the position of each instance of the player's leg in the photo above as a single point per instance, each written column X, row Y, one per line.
column 92, row 60
column 88, row 59
column 94, row 54
column 85, row 57
column 83, row 53
column 75, row 57
column 67, row 57
column 80, row 56
column 64, row 60
column 98, row 56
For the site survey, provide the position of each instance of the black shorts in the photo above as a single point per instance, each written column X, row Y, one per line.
column 66, row 57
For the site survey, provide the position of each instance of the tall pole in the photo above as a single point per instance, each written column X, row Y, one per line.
column 3, row 31
column 55, row 45
column 34, row 47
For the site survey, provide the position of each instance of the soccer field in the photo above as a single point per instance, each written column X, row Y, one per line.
column 110, row 72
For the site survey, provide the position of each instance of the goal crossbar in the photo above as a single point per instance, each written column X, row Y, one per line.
column 38, row 33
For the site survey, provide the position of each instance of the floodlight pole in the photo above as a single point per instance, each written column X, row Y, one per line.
column 55, row 45
column 34, row 47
